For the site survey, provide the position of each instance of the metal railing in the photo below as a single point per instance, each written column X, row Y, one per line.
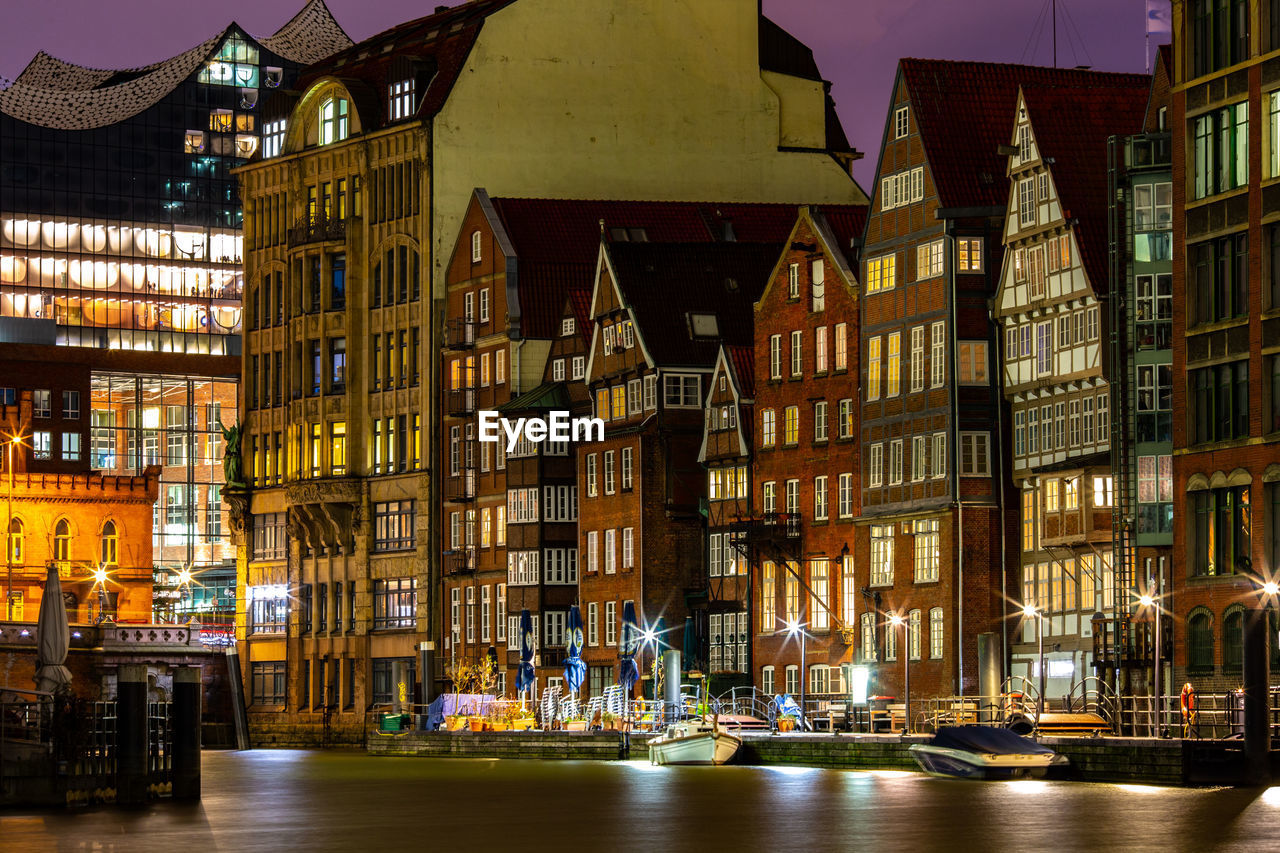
column 159, row 742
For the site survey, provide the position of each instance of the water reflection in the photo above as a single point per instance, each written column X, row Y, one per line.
column 287, row 800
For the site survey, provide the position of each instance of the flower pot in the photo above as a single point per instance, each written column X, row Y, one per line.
column 455, row 722
column 610, row 725
column 476, row 723
column 524, row 724
column 786, row 724
column 575, row 725
column 499, row 726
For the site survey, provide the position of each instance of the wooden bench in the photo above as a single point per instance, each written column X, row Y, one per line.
column 831, row 715
column 890, row 719
column 1065, row 723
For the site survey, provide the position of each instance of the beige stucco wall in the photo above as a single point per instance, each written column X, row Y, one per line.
column 643, row 99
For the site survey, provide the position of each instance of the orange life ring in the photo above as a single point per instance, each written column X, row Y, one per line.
column 1187, row 703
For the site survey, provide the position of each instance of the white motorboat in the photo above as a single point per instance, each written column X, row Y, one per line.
column 982, row 752
column 693, row 742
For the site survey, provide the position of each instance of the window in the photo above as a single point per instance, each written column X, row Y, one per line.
column 393, row 523
column 769, row 497
column 1221, row 149
column 71, row 447
column 973, row 363
column 793, row 281
column 846, row 419
column 893, row 377
column 882, row 555
column 868, row 623
column 935, row 633
column 628, row 467
column 768, row 428
column 1219, row 530
column 17, row 540
column 400, row 96
column 937, row 355
column 395, row 602
column 926, row 550
column 842, row 345
column 608, row 472
column 939, row 455
column 1218, row 400
column 895, row 462
column 682, row 391
column 791, row 425
column 929, row 260
column 974, row 454
column 797, row 354
column 41, row 403
column 817, row 286
column 820, row 421
column 913, row 635
column 917, row 358
column 610, row 551
column 1200, row 642
column 267, row 609
column 71, row 405
column 918, row 457
column 1044, row 348
column 1026, row 203
column 333, row 120
column 844, row 504
column 819, row 498
column 875, row 465
column 820, row 350
column 873, row 368
column 768, row 599
column 267, row 682
column 1071, row 494
column 1103, row 494
column 820, row 600
column 900, row 123
column 881, row 273
column 969, row 254
column 793, row 496
column 775, row 356
column 1218, row 279
column 611, row 623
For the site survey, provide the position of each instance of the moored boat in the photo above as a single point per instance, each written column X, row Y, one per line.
column 984, row 752
column 693, row 742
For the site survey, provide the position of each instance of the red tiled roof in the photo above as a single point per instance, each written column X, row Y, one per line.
column 557, row 240
column 663, row 283
column 1071, row 126
column 743, row 359
column 965, row 111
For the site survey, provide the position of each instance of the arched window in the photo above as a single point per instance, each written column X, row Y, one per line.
column 16, row 537
column 1233, row 642
column 62, row 544
column 110, row 545
column 1200, row 642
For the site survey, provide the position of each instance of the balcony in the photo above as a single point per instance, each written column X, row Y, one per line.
column 1148, row 151
column 460, row 561
column 460, row 334
column 462, row 402
column 316, row 229
column 776, row 534
column 461, row 488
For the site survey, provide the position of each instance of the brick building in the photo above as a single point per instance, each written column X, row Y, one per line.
column 799, row 535
column 1056, row 369
column 57, row 509
column 1226, row 333
column 661, row 313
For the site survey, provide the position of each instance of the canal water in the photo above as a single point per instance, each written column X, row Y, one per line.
column 347, row 801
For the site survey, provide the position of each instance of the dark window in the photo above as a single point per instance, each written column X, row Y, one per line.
column 1200, row 642
column 337, row 364
column 337, row 282
column 337, row 606
column 393, row 525
column 1220, row 531
column 1233, row 643
column 403, row 270
column 313, row 281
column 269, row 541
column 415, row 280
column 322, row 600
column 304, row 606
column 279, row 298
column 395, row 603
column 1219, row 398
column 316, row 369
column 375, row 293
column 1219, row 34
column 268, row 682
column 1221, row 275
column 382, row 693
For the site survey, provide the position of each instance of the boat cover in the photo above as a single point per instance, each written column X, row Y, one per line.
column 987, row 739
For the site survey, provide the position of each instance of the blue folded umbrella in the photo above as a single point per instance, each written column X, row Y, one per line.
column 575, row 670
column 628, row 672
column 525, row 675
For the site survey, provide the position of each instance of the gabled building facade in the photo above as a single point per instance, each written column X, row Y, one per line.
column 800, row 537
column 1056, row 367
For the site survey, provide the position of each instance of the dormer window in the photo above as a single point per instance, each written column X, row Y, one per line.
column 400, row 96
column 566, row 327
column 333, row 120
column 703, row 326
column 475, row 247
column 273, row 138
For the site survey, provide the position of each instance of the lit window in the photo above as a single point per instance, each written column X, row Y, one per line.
column 333, row 120
column 401, row 99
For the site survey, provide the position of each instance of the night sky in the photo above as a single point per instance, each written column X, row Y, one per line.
column 857, row 42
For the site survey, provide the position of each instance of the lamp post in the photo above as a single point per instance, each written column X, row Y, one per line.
column 1030, row 611
column 1149, row 600
column 13, row 442
column 793, row 628
column 896, row 620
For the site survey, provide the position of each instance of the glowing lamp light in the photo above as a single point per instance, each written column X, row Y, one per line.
column 648, row 636
column 895, row 619
column 184, row 577
column 1146, row 600
column 1029, row 610
column 1271, row 588
column 99, row 575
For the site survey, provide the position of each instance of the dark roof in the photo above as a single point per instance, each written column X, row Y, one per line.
column 663, row 283
column 580, row 303
column 437, row 45
column 742, row 358
column 1071, row 126
column 965, row 111
column 557, row 241
column 548, row 395
column 784, row 53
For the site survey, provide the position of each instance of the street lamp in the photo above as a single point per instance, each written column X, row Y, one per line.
column 1030, row 611
column 1149, row 600
column 795, row 627
column 896, row 620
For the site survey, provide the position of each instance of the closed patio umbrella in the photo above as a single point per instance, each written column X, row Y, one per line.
column 575, row 671
column 525, row 675
column 628, row 672
column 53, row 636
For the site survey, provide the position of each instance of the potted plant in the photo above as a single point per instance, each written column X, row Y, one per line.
column 520, row 720
column 575, row 723
column 610, row 722
column 787, row 723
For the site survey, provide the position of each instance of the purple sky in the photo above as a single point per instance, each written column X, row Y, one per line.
column 857, row 42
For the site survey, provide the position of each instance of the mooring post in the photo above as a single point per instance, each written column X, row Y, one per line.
column 187, row 689
column 1257, row 725
column 131, row 734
